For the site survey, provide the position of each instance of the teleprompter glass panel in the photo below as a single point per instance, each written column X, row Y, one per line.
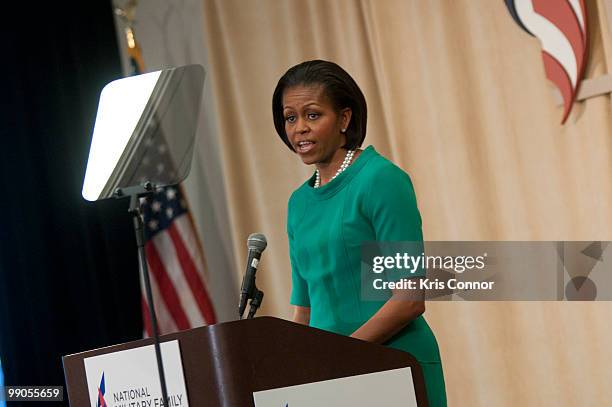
column 144, row 131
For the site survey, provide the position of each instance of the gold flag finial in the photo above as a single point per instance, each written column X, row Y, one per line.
column 126, row 10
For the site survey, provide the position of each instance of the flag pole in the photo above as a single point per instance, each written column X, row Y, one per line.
column 126, row 13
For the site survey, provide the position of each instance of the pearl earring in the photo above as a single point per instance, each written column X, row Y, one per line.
column 343, row 131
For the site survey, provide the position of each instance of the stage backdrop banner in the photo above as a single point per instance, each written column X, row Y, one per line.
column 458, row 97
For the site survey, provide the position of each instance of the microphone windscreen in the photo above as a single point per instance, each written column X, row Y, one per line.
column 257, row 242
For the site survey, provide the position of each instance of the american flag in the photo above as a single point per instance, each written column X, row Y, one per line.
column 176, row 264
column 175, row 258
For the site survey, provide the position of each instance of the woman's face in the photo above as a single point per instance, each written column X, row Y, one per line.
column 312, row 125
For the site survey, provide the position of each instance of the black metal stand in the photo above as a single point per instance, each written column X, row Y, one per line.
column 135, row 193
column 255, row 303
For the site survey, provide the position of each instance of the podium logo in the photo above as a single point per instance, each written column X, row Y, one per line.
column 101, row 391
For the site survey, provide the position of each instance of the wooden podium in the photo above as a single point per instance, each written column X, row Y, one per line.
column 225, row 363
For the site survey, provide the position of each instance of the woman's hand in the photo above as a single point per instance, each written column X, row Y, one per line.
column 301, row 315
column 391, row 318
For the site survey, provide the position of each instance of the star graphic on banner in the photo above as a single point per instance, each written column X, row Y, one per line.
column 171, row 194
column 153, row 224
column 169, row 213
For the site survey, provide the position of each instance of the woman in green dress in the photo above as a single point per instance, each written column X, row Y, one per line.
column 354, row 196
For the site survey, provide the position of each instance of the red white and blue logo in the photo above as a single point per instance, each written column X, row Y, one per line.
column 561, row 27
column 101, row 391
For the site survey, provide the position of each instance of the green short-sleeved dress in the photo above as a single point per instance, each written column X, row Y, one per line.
column 372, row 200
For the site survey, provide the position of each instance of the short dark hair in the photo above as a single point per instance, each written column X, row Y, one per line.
column 338, row 86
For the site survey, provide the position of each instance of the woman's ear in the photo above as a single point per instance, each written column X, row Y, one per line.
column 345, row 118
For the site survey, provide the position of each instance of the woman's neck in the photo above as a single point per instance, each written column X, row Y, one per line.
column 329, row 169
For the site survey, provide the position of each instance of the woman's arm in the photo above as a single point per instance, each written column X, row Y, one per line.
column 391, row 318
column 392, row 208
column 301, row 315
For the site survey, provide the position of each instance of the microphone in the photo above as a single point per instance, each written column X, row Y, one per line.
column 256, row 244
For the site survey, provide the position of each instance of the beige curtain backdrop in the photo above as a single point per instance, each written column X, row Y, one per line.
column 458, row 98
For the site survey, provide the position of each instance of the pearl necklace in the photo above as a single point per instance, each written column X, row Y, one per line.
column 347, row 161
